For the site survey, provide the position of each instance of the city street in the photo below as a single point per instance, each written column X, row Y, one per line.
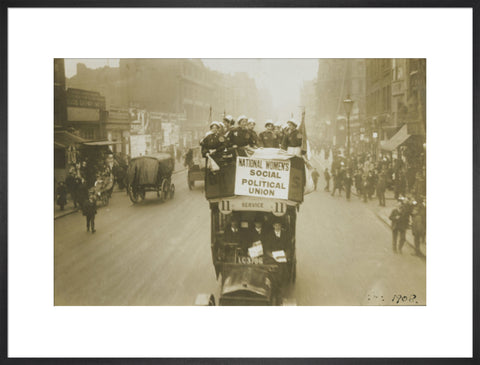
column 156, row 253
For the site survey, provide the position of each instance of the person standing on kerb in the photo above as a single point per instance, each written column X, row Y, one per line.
column 400, row 220
column 347, row 182
column 61, row 195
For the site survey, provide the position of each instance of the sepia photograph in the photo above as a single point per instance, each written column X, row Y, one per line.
column 240, row 182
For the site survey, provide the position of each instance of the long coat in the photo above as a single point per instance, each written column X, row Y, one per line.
column 292, row 139
column 213, row 142
column 89, row 208
column 274, row 243
column 400, row 219
column 240, row 137
column 268, row 139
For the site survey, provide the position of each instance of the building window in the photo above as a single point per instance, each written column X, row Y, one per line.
column 88, row 133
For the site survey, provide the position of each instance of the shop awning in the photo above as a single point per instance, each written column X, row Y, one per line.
column 398, row 139
column 65, row 139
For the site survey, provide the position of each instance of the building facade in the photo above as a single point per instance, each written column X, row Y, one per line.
column 86, row 113
column 396, row 101
column 179, row 86
column 337, row 79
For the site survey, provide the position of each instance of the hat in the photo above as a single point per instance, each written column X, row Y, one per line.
column 292, row 121
column 228, row 118
column 214, row 123
column 250, row 120
column 278, row 124
column 269, row 122
column 277, row 220
column 240, row 118
column 222, row 124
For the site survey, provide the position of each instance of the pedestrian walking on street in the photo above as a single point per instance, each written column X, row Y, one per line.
column 370, row 184
column 61, row 195
column 315, row 176
column 400, row 219
column 365, row 187
column 419, row 188
column 400, row 184
column 82, row 192
column 326, row 175
column 418, row 226
column 70, row 185
column 348, row 185
column 381, row 186
column 76, row 192
column 337, row 183
column 89, row 211
column 358, row 182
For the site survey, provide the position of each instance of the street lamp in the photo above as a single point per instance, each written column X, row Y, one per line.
column 348, row 104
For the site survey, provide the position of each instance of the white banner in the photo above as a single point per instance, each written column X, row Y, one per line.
column 262, row 178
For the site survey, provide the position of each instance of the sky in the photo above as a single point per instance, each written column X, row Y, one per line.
column 283, row 78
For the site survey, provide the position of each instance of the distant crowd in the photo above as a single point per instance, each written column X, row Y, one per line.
column 372, row 178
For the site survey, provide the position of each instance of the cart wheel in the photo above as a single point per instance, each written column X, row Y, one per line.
column 163, row 190
column 132, row 194
column 172, row 191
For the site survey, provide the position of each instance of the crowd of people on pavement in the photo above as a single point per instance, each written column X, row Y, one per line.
column 81, row 181
column 371, row 178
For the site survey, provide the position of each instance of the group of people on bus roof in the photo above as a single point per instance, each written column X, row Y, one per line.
column 272, row 237
column 225, row 136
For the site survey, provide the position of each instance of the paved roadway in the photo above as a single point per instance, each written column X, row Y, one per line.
column 157, row 253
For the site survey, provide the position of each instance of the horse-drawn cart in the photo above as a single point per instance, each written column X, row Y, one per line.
column 150, row 174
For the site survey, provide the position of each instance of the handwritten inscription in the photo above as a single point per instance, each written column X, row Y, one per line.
column 406, row 299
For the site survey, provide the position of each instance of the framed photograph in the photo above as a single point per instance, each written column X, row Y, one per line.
column 284, row 167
